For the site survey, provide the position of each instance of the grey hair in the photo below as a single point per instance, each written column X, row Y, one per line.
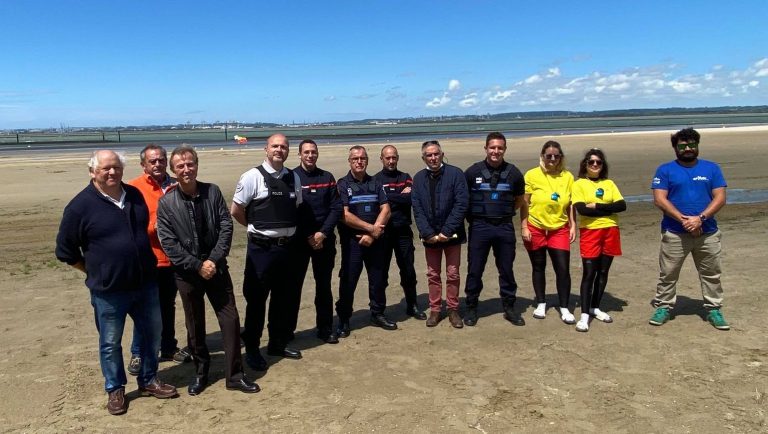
column 93, row 162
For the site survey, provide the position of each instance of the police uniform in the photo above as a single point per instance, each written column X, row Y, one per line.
column 271, row 200
column 398, row 236
column 323, row 205
column 363, row 199
column 492, row 193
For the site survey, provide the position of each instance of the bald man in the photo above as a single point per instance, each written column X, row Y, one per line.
column 266, row 201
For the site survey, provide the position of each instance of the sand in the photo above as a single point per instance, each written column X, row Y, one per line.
column 626, row 376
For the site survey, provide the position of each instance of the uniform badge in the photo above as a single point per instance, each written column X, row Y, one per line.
column 367, row 208
column 478, row 180
column 292, row 195
column 495, row 195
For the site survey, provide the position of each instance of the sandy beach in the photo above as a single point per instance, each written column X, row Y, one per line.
column 626, row 376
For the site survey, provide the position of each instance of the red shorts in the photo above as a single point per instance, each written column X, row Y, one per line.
column 603, row 241
column 554, row 239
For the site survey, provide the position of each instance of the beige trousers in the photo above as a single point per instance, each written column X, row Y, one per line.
column 706, row 250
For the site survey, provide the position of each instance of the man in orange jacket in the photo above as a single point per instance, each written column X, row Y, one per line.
column 153, row 183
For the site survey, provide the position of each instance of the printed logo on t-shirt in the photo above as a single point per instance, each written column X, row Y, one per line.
column 239, row 187
column 700, row 178
column 657, row 180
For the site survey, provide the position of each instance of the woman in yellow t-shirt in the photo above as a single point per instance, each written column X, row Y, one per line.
column 597, row 199
column 548, row 226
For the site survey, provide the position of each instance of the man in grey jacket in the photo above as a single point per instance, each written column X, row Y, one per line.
column 195, row 230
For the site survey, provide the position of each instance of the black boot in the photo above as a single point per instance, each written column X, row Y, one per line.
column 511, row 315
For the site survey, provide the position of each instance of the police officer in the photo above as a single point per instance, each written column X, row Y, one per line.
column 398, row 236
column 317, row 240
column 266, row 200
column 364, row 218
column 496, row 191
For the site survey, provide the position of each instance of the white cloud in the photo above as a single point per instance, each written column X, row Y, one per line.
column 329, row 98
column 501, row 96
column 535, row 78
column 553, row 72
column 439, row 102
column 641, row 86
column 683, row 86
column 469, row 100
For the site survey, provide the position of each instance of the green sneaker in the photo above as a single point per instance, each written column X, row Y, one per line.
column 660, row 316
column 715, row 317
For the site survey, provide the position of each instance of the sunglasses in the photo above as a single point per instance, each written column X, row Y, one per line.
column 597, row 163
column 552, row 157
column 692, row 145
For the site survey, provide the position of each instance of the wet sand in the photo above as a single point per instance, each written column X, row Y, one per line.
column 622, row 377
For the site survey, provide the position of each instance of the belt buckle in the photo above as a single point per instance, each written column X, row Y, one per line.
column 281, row 241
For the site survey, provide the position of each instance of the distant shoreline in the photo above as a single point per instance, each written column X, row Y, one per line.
column 9, row 150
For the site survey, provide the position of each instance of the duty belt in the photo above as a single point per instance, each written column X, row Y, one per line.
column 494, row 220
column 268, row 241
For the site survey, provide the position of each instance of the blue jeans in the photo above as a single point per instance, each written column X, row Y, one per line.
column 110, row 310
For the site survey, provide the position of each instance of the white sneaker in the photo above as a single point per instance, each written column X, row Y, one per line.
column 601, row 316
column 567, row 316
column 541, row 311
column 582, row 326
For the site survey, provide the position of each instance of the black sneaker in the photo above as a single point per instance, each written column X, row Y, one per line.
column 134, row 365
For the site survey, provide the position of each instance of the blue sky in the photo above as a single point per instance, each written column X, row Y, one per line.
column 111, row 63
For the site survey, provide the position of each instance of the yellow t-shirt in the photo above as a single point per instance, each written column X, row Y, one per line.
column 547, row 212
column 587, row 191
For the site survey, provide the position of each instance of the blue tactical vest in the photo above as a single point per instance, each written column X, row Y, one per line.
column 492, row 198
column 364, row 200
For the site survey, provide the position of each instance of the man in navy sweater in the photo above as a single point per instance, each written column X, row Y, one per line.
column 398, row 236
column 318, row 241
column 103, row 233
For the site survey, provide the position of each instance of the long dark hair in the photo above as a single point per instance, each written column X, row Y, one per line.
column 583, row 165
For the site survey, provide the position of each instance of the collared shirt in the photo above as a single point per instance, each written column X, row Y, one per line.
column 118, row 203
column 252, row 186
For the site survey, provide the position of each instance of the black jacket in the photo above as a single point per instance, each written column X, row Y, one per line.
column 176, row 227
column 445, row 214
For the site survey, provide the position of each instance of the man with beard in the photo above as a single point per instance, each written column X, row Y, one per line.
column 266, row 201
column 689, row 192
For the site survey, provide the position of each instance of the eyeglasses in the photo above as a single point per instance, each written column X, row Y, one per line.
column 552, row 157
column 692, row 145
column 597, row 163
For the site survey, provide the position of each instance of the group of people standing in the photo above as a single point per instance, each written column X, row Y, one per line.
column 175, row 234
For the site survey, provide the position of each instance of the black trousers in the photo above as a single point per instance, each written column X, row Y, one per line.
column 219, row 291
column 323, row 261
column 353, row 257
column 400, row 241
column 269, row 273
column 166, row 285
column 483, row 237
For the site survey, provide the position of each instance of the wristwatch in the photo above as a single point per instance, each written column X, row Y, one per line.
column 702, row 217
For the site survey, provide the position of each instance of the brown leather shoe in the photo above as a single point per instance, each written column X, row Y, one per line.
column 455, row 319
column 116, row 403
column 434, row 318
column 158, row 390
